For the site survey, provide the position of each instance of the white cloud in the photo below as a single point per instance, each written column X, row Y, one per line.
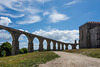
column 5, row 35
column 1, row 8
column 32, row 10
column 72, row 2
column 46, row 13
column 57, row 17
column 12, row 4
column 32, row 19
column 23, row 8
column 13, row 16
column 21, row 29
column 68, row 36
column 26, row 31
column 42, row 1
column 5, row 21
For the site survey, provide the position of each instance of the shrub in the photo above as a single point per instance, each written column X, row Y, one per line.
column 6, row 46
column 21, row 51
column 25, row 50
column 3, row 53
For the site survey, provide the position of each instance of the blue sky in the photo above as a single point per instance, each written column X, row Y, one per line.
column 56, row 19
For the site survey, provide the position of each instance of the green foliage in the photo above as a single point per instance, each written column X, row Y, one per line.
column 28, row 59
column 3, row 53
column 44, row 49
column 25, row 50
column 21, row 51
column 6, row 47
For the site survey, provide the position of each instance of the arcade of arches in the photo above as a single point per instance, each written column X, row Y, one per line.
column 15, row 43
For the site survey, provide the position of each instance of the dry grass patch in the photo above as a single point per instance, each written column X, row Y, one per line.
column 95, row 52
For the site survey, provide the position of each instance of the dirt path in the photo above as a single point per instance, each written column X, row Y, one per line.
column 72, row 60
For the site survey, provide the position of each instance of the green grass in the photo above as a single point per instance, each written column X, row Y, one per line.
column 88, row 52
column 27, row 60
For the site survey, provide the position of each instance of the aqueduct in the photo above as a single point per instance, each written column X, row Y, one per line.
column 15, row 43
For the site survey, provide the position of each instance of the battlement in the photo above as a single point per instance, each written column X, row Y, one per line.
column 90, row 25
column 94, row 22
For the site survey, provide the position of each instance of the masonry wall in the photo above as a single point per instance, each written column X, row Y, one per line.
column 84, row 35
column 95, row 37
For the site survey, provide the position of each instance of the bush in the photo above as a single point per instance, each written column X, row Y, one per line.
column 25, row 50
column 44, row 49
column 6, row 46
column 3, row 53
column 21, row 51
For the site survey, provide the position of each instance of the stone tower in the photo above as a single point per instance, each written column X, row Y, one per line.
column 89, row 35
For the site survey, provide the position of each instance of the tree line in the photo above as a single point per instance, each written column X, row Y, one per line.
column 6, row 49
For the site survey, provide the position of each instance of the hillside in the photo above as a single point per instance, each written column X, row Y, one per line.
column 27, row 60
column 95, row 52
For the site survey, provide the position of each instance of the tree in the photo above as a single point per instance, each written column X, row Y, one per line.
column 21, row 51
column 3, row 53
column 0, row 50
column 25, row 50
column 6, row 46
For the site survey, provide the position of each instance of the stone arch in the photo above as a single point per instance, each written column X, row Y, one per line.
column 77, row 46
column 28, row 37
column 36, row 43
column 23, row 41
column 69, row 47
column 60, row 46
column 5, row 36
column 51, row 45
column 56, row 46
column 64, row 47
column 12, row 35
column 45, row 44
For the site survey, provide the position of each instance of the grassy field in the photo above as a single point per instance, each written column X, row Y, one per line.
column 88, row 52
column 27, row 60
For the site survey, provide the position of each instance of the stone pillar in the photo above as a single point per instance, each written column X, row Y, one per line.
column 58, row 46
column 30, row 45
column 75, row 42
column 66, row 47
column 54, row 46
column 62, row 46
column 74, row 45
column 40, row 44
column 15, row 47
column 15, row 42
column 48, row 45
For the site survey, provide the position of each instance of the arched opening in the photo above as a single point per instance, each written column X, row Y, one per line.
column 45, row 45
column 60, row 46
column 64, row 47
column 77, row 47
column 56, row 46
column 23, row 41
column 36, row 44
column 5, row 37
column 51, row 45
column 69, row 47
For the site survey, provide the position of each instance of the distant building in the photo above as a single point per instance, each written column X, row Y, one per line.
column 89, row 35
